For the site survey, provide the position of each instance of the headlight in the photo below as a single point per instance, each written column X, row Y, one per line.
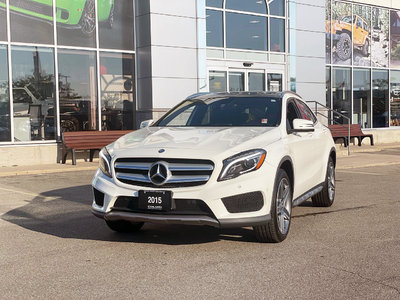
column 105, row 162
column 242, row 163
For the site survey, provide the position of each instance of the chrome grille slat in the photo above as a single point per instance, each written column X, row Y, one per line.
column 183, row 172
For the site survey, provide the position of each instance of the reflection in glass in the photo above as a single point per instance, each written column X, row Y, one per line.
column 31, row 21
column 256, row 82
column 33, row 93
column 116, row 26
column 328, row 86
column 214, row 28
column 395, row 98
column 395, row 38
column 256, row 6
column 217, row 81
column 3, row 19
column 76, row 22
column 362, row 35
column 277, row 35
column 277, row 8
column 5, row 133
column 341, row 88
column 246, row 32
column 328, row 33
column 274, row 82
column 214, row 3
column 342, row 23
column 362, row 97
column 380, row 98
column 117, row 91
column 236, row 81
column 78, row 91
column 380, row 37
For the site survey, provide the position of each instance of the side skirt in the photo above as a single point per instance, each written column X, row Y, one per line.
column 309, row 194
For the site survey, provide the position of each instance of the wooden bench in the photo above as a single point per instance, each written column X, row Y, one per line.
column 88, row 140
column 342, row 132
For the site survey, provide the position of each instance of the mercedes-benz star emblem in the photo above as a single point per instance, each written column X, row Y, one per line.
column 159, row 173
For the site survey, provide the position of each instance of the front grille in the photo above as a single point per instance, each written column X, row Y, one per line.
column 184, row 172
column 33, row 6
column 244, row 203
column 179, row 207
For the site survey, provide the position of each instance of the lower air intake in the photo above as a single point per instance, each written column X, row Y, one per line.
column 248, row 202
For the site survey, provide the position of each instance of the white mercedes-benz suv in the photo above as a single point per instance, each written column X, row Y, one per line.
column 224, row 160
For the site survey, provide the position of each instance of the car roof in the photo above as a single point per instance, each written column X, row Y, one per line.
column 208, row 96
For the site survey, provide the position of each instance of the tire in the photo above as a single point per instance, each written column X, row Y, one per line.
column 326, row 197
column 88, row 19
column 343, row 46
column 277, row 229
column 365, row 49
column 124, row 226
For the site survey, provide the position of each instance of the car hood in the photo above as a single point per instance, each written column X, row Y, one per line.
column 192, row 142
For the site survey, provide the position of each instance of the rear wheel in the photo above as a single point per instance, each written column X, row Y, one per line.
column 88, row 19
column 365, row 49
column 326, row 197
column 124, row 226
column 277, row 229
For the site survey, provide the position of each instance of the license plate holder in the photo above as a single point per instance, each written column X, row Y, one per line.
column 155, row 200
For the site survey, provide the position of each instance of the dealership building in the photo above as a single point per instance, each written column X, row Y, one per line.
column 82, row 65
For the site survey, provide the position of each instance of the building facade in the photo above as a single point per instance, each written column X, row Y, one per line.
column 110, row 64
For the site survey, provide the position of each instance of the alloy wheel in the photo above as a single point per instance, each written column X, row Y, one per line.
column 283, row 206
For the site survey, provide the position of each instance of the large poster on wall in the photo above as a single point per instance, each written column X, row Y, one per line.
column 341, row 28
column 380, row 38
column 395, row 38
column 361, row 35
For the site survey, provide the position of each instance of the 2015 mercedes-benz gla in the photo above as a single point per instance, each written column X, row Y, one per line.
column 225, row 160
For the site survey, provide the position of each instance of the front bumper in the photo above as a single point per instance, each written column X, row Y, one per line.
column 213, row 194
column 182, row 219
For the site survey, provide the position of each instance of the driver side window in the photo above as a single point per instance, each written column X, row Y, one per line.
column 291, row 114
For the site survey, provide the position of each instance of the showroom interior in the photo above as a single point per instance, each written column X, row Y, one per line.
column 84, row 65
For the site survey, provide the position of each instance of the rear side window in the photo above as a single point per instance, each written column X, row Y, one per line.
column 305, row 112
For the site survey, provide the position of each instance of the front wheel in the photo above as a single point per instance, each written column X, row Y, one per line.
column 277, row 229
column 124, row 226
column 343, row 46
column 326, row 197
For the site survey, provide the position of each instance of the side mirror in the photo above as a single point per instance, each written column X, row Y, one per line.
column 146, row 123
column 302, row 125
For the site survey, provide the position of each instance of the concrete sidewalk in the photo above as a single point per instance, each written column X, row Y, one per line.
column 365, row 156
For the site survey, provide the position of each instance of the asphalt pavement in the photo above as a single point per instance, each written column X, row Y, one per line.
column 52, row 247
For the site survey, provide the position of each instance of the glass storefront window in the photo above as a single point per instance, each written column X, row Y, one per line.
column 362, row 97
column 342, row 23
column 361, row 35
column 380, row 98
column 76, row 22
column 217, row 81
column 236, row 81
column 256, row 6
column 214, row 3
column 277, row 7
column 246, row 32
column 277, row 35
column 275, row 82
column 395, row 98
column 341, row 88
column 328, row 86
column 5, row 132
column 33, row 93
column 117, row 91
column 214, row 29
column 77, row 90
column 380, row 37
column 31, row 21
column 256, row 82
column 3, row 19
column 116, row 25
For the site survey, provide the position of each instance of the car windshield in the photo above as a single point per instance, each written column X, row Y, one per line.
column 225, row 112
column 347, row 19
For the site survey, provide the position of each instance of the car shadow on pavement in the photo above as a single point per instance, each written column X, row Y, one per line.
column 65, row 213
